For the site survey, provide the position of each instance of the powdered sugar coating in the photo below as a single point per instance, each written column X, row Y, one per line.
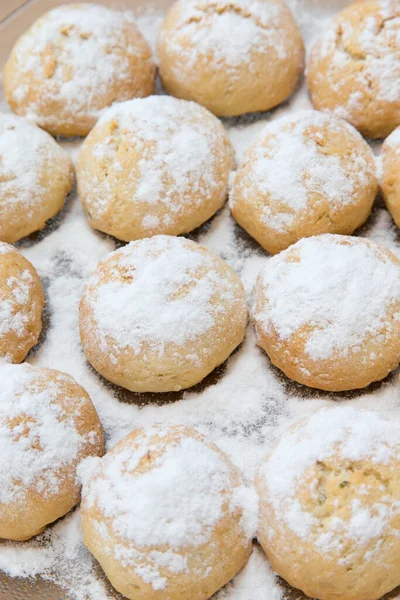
column 73, row 62
column 12, row 319
column 342, row 288
column 354, row 68
column 27, row 155
column 338, row 442
column 232, row 57
column 231, row 33
column 291, row 168
column 161, row 291
column 21, row 304
column 39, row 440
column 167, row 162
column 165, row 488
column 160, row 314
column 234, row 31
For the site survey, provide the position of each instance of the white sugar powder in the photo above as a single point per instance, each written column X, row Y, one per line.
column 289, row 168
column 85, row 58
column 36, row 438
column 176, row 502
column 15, row 306
column 164, row 291
column 24, row 152
column 344, row 291
column 256, row 581
column 244, row 412
column 180, row 147
column 227, row 33
column 345, row 433
column 371, row 42
column 229, row 37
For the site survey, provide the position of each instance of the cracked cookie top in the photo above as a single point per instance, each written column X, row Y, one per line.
column 48, row 424
column 330, row 504
column 161, row 313
column 354, row 68
column 154, row 165
column 305, row 174
column 72, row 63
column 231, row 56
column 329, row 477
column 327, row 311
column 163, row 504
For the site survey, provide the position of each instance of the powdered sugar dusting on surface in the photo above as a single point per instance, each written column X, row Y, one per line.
column 321, row 288
column 371, row 43
column 20, row 172
column 37, row 439
column 17, row 310
column 14, row 305
column 287, row 166
column 78, row 55
column 244, row 412
column 347, row 436
column 176, row 501
column 160, row 291
column 26, row 154
column 228, row 33
column 181, row 153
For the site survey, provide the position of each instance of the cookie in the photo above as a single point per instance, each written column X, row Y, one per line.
column 327, row 312
column 330, row 505
column 160, row 314
column 21, row 305
column 231, row 57
column 154, row 166
column 48, row 425
column 73, row 62
column 305, row 174
column 167, row 516
column 354, row 68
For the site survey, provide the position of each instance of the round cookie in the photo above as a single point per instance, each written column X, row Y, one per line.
column 73, row 62
column 305, row 174
column 330, row 505
column 167, row 516
column 327, row 312
column 21, row 305
column 231, row 57
column 390, row 179
column 160, row 314
column 47, row 426
column 154, row 166
column 35, row 176
column 354, row 68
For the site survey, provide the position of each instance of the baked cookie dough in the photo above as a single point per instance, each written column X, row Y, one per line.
column 231, row 57
column 330, row 505
column 167, row 516
column 73, row 62
column 327, row 312
column 35, row 176
column 354, row 68
column 160, row 314
column 47, row 426
column 154, row 166
column 305, row 174
column 390, row 176
column 21, row 305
